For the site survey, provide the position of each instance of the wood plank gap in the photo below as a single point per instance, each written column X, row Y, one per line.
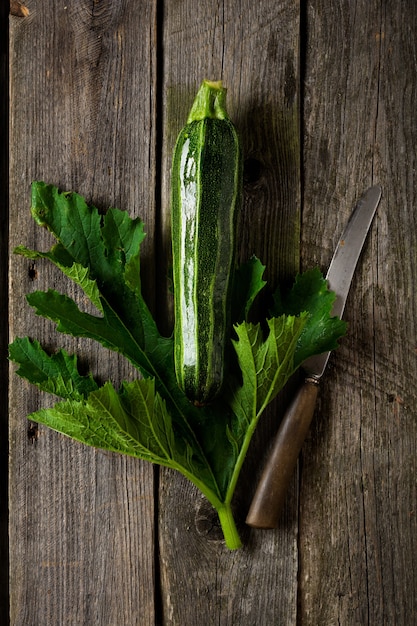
column 378, row 92
column 158, row 595
column 160, row 313
column 302, row 60
column 302, row 39
column 4, row 269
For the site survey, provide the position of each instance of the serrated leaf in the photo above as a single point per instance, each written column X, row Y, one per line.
column 108, row 329
column 107, row 246
column 57, row 373
column 266, row 362
column 80, row 276
column 75, row 271
column 120, row 232
column 311, row 293
column 133, row 421
column 248, row 283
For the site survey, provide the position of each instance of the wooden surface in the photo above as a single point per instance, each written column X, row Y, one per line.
column 4, row 221
column 324, row 97
column 358, row 512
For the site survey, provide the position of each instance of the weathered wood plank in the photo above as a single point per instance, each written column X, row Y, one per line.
column 253, row 47
column 83, row 89
column 82, row 117
column 4, row 221
column 358, row 533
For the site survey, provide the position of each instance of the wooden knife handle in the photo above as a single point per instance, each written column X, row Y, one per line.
column 272, row 488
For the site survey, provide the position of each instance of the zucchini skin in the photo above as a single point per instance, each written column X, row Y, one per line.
column 206, row 194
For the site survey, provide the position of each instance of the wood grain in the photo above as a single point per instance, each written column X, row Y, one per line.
column 82, row 117
column 247, row 47
column 4, row 228
column 358, row 523
column 98, row 93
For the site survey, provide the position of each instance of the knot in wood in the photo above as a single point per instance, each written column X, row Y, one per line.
column 207, row 522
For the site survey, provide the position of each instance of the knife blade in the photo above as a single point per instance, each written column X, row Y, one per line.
column 270, row 494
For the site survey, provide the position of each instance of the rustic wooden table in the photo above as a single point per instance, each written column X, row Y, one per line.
column 324, row 96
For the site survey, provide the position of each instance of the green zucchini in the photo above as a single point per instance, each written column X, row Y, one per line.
column 206, row 193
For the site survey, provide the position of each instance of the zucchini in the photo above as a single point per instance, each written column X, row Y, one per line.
column 206, row 193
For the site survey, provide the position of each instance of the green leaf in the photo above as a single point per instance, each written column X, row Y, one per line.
column 311, row 293
column 108, row 329
column 122, row 233
column 151, row 418
column 248, row 283
column 57, row 373
column 75, row 271
column 266, row 362
column 111, row 256
column 134, row 421
column 107, row 246
column 102, row 255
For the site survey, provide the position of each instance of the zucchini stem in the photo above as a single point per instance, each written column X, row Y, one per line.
column 210, row 101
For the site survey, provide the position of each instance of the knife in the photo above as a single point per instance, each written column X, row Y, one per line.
column 270, row 494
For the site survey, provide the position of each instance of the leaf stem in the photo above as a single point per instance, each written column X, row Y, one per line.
column 229, row 529
column 240, row 459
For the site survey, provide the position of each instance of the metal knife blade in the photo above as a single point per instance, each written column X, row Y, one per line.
column 343, row 264
column 270, row 494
